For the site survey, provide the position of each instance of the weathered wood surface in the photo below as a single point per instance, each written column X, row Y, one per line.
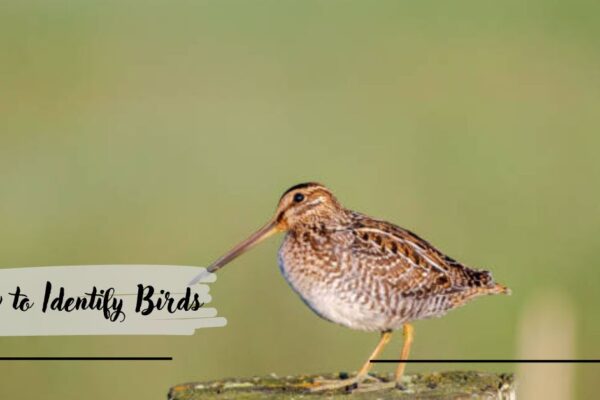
column 451, row 385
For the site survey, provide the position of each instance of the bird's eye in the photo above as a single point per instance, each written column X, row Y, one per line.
column 298, row 197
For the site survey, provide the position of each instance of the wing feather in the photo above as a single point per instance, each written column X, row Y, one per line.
column 408, row 263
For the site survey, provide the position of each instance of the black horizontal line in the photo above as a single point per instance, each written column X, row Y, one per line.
column 491, row 361
column 86, row 358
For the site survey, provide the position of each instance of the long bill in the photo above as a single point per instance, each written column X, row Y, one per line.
column 263, row 233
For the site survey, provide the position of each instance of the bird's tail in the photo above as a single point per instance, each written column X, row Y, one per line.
column 500, row 289
column 483, row 282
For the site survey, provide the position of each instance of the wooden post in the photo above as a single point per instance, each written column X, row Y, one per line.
column 452, row 385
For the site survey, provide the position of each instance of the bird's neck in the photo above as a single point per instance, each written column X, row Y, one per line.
column 325, row 221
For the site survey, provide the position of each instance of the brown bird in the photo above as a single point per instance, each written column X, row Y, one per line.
column 361, row 272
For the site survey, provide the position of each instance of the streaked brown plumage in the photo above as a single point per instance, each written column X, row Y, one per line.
column 363, row 273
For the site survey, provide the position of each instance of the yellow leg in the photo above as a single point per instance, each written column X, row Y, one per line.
column 364, row 371
column 408, row 339
column 385, row 338
column 408, row 332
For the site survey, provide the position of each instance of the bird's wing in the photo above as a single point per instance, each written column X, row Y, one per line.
column 408, row 263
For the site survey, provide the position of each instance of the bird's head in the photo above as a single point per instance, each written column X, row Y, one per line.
column 306, row 204
column 303, row 204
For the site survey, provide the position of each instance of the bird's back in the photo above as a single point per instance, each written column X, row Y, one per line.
column 413, row 266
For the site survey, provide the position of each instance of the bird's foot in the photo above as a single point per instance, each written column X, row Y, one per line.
column 349, row 384
column 380, row 386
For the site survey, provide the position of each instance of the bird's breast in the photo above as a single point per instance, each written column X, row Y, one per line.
column 325, row 276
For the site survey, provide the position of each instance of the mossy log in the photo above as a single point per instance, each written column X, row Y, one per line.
column 444, row 385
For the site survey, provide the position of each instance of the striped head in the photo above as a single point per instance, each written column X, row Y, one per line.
column 306, row 204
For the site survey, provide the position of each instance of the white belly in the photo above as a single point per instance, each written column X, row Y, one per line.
column 335, row 303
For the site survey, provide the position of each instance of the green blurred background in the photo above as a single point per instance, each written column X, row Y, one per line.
column 164, row 132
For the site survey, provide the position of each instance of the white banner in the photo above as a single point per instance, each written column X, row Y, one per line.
column 105, row 300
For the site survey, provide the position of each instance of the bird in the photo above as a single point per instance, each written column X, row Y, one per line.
column 362, row 273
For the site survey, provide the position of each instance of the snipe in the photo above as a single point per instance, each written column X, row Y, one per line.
column 363, row 273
